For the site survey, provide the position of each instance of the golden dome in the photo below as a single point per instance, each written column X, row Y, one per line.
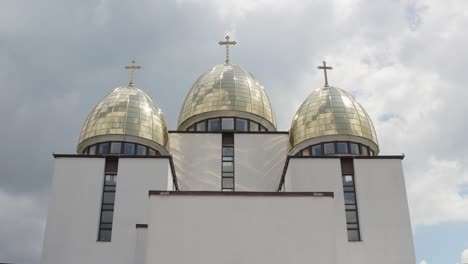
column 125, row 114
column 227, row 90
column 331, row 111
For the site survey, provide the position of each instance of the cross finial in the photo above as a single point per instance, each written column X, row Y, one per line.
column 132, row 69
column 325, row 68
column 227, row 43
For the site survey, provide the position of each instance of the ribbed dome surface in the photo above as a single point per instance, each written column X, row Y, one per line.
column 125, row 111
column 330, row 111
column 226, row 87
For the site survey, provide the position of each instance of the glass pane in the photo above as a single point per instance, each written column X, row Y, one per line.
column 253, row 126
column 364, row 151
column 241, row 124
column 329, row 148
column 141, row 150
column 106, row 216
column 201, row 126
column 353, row 235
column 351, row 216
column 129, row 148
column 347, row 180
column 228, row 123
column 262, row 128
column 192, row 128
column 371, row 152
column 228, row 151
column 214, row 125
column 228, row 174
column 115, row 147
column 306, row 152
column 349, row 198
column 105, row 235
column 354, row 148
column 352, row 226
column 92, row 150
column 316, row 150
column 342, row 147
column 108, row 197
column 228, row 166
column 350, row 206
column 106, row 226
column 103, row 148
column 111, row 179
column 109, row 188
column 151, row 152
column 228, row 183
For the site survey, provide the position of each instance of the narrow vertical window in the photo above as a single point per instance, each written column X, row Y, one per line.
column 351, row 210
column 227, row 166
column 108, row 200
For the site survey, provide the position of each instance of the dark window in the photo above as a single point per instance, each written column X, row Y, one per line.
column 103, row 148
column 151, row 152
column 214, row 125
column 227, row 163
column 349, row 193
column 228, row 123
column 342, row 147
column 241, row 124
column 316, row 150
column 129, row 148
column 108, row 200
column 228, row 151
column 354, row 148
column 364, row 151
column 201, row 126
column 141, row 150
column 329, row 148
column 306, row 152
column 262, row 128
column 228, row 139
column 192, row 128
column 116, row 148
column 254, row 126
column 92, row 150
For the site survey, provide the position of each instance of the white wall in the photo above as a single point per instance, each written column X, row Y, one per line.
column 75, row 204
column 383, row 214
column 259, row 161
column 197, row 160
column 382, row 207
column 240, row 229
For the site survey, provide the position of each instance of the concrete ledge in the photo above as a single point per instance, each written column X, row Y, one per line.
column 220, row 193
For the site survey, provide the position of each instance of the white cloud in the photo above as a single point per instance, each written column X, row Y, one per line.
column 464, row 257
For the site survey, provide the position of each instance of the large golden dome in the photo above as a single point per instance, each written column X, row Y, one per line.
column 125, row 114
column 329, row 112
column 227, row 90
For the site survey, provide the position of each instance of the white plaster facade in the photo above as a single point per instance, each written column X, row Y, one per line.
column 228, row 228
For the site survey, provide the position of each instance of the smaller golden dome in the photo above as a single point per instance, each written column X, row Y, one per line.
column 126, row 114
column 331, row 111
column 227, row 90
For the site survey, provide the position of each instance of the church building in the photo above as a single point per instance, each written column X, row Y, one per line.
column 226, row 186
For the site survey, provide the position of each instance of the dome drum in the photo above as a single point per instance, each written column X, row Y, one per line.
column 254, row 119
column 83, row 148
column 363, row 144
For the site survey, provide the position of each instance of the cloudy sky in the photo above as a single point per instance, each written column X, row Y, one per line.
column 405, row 62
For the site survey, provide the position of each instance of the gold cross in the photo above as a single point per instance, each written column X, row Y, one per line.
column 132, row 69
column 227, row 43
column 325, row 68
